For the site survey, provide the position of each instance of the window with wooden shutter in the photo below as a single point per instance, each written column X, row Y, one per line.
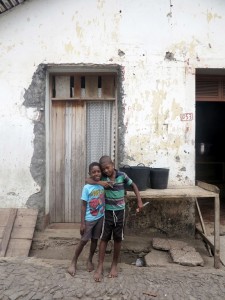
column 223, row 87
column 210, row 88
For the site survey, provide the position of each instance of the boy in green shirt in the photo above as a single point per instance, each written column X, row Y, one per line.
column 113, row 182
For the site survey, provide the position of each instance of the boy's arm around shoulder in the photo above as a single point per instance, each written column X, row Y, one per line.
column 137, row 193
column 102, row 183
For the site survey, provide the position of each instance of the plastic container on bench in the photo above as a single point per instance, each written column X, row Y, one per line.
column 140, row 175
column 159, row 178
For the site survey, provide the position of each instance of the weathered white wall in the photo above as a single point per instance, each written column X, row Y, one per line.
column 134, row 34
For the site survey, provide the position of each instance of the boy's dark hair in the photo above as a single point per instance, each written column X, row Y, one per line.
column 105, row 159
column 93, row 164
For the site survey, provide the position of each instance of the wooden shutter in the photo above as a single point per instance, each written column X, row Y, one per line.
column 210, row 88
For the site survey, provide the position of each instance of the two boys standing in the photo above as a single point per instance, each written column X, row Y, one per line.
column 114, row 183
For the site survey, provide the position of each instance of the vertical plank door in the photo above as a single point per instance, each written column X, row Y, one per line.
column 67, row 160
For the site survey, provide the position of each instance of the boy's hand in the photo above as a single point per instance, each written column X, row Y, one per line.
column 140, row 208
column 105, row 184
column 82, row 229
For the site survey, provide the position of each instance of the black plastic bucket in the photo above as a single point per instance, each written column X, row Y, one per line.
column 126, row 169
column 139, row 174
column 159, row 178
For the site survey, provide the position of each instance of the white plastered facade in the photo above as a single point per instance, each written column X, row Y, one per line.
column 158, row 44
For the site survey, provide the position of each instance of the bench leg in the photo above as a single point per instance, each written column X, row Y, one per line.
column 203, row 226
column 217, row 232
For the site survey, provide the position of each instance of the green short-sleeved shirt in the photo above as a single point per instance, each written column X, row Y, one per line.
column 114, row 197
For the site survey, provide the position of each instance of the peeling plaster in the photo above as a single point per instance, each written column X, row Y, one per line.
column 176, row 109
column 159, row 96
column 177, row 159
column 9, row 48
column 100, row 4
column 170, row 56
column 35, row 102
column 185, row 49
column 212, row 16
column 121, row 53
column 79, row 30
column 69, row 47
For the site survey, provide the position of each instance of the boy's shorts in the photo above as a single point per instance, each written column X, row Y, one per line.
column 113, row 225
column 93, row 230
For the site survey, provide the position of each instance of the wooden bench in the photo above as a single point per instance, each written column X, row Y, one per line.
column 200, row 190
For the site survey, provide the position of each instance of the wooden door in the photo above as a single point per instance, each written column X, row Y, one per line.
column 67, row 160
column 82, row 129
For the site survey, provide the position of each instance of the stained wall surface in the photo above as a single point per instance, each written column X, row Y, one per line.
column 158, row 46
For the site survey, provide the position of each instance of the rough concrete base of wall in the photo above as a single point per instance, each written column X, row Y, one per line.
column 172, row 217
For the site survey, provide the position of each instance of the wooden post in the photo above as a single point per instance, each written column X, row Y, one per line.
column 203, row 225
column 217, row 232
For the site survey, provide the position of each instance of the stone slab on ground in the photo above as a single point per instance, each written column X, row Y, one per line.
column 160, row 244
column 136, row 244
column 186, row 257
column 180, row 252
column 157, row 258
column 167, row 244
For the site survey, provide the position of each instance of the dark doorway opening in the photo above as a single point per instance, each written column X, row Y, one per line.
column 210, row 132
column 210, row 149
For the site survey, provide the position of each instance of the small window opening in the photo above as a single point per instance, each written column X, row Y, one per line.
column 99, row 82
column 82, row 84
column 99, row 86
column 71, row 86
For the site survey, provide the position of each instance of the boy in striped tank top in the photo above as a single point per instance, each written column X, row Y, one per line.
column 113, row 225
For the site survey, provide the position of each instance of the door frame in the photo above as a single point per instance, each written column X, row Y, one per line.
column 62, row 69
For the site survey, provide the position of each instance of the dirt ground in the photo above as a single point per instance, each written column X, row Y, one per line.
column 43, row 275
column 58, row 242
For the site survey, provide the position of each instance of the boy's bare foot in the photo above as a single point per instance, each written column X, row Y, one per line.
column 98, row 274
column 72, row 270
column 113, row 272
column 90, row 266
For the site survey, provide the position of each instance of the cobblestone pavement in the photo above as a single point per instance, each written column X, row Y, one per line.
column 32, row 278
